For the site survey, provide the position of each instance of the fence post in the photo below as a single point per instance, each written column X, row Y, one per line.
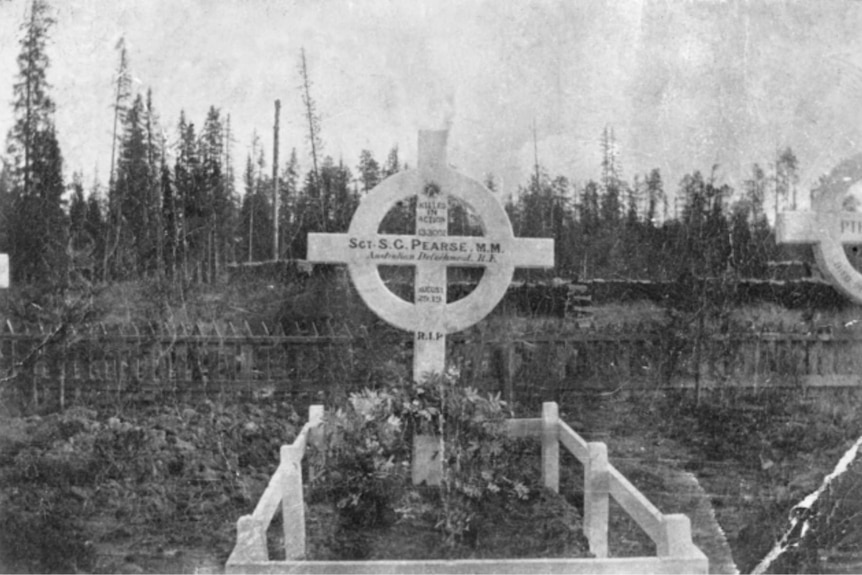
column 292, row 504
column 551, row 446
column 596, row 498
column 246, row 362
column 62, row 373
column 507, row 351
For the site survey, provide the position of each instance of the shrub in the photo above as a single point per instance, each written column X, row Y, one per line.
column 361, row 464
column 40, row 532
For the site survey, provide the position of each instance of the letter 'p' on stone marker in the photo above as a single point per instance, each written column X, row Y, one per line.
column 431, row 251
column 829, row 227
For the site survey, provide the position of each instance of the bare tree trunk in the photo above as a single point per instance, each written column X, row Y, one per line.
column 250, row 228
column 309, row 112
column 275, row 182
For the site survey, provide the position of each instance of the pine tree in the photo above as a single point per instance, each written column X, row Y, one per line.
column 190, row 201
column 134, row 249
column 38, row 227
column 77, row 211
column 6, row 199
column 214, row 194
column 171, row 222
column 156, row 144
column 247, row 212
column 593, row 258
column 255, row 214
column 288, row 199
column 392, row 165
column 230, row 236
column 655, row 197
column 369, row 171
column 786, row 178
column 96, row 229
column 755, row 192
column 80, row 247
column 611, row 168
column 344, row 199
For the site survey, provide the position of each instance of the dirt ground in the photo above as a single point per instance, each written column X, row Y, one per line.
column 133, row 517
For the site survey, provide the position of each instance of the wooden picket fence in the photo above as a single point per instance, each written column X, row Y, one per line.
column 60, row 365
column 117, row 361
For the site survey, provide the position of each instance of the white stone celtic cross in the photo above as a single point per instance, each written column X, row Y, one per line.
column 829, row 226
column 431, row 251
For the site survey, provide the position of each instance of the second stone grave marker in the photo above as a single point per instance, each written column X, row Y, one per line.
column 829, row 226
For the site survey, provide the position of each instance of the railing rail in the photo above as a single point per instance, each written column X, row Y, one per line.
column 285, row 489
column 671, row 533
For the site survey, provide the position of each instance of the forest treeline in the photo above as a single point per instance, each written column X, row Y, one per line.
column 174, row 206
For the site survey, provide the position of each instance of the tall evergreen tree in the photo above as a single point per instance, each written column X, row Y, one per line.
column 134, row 253
column 755, row 192
column 171, row 219
column 190, row 199
column 369, row 171
column 786, row 178
column 156, row 144
column 214, row 193
column 255, row 215
column 392, row 165
column 96, row 229
column 344, row 200
column 289, row 201
column 77, row 211
column 230, row 240
column 38, row 229
column 6, row 199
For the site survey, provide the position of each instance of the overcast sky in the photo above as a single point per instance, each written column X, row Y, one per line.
column 685, row 84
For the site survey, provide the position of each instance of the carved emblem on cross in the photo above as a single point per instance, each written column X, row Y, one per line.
column 431, row 251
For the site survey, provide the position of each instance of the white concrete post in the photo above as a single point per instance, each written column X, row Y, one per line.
column 551, row 446
column 676, row 536
column 596, row 499
column 292, row 504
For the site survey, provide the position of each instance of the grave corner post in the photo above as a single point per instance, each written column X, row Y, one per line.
column 675, row 538
column 597, row 498
column 551, row 446
column 293, row 504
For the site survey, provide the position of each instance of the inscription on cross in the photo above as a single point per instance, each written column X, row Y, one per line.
column 830, row 226
column 431, row 251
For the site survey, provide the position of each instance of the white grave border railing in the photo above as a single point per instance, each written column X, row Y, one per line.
column 671, row 533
